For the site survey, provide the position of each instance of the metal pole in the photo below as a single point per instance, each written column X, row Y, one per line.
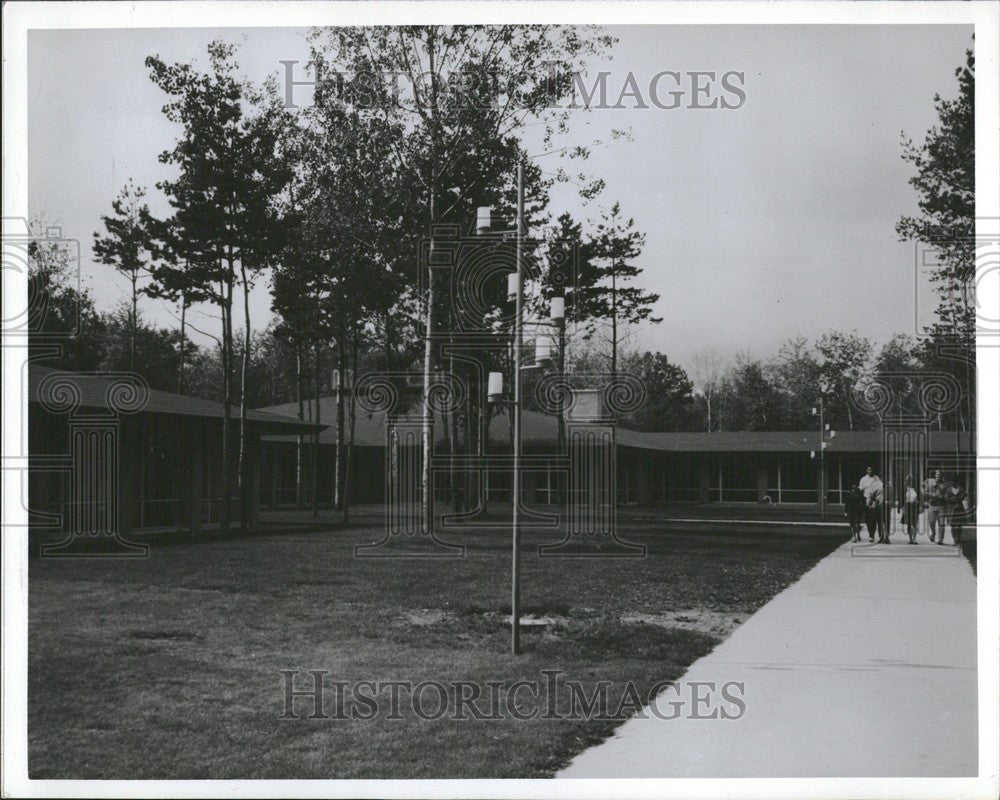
column 822, row 461
column 561, row 419
column 515, row 584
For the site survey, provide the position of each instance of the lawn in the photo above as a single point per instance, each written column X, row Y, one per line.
column 169, row 667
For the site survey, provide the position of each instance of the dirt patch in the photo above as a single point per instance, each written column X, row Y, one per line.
column 716, row 623
column 425, row 616
column 165, row 635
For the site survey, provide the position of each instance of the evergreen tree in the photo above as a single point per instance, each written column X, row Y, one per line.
column 608, row 292
column 124, row 249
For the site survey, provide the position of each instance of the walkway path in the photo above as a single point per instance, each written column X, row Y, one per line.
column 865, row 667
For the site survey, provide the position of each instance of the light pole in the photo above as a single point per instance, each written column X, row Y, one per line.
column 557, row 316
column 515, row 554
column 824, row 432
column 515, row 288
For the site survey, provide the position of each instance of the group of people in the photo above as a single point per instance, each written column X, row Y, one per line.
column 941, row 501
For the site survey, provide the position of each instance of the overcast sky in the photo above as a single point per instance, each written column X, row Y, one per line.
column 763, row 222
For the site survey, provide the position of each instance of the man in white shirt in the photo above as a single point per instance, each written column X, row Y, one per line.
column 871, row 485
column 867, row 481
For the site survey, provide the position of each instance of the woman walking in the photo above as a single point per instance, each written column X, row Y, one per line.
column 909, row 505
column 934, row 495
column 956, row 510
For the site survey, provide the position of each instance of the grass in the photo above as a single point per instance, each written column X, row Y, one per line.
column 168, row 667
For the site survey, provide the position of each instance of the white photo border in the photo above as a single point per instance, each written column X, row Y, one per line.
column 19, row 17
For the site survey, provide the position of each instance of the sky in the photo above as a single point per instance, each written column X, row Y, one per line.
column 764, row 222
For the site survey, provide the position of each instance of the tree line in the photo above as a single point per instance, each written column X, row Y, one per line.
column 330, row 206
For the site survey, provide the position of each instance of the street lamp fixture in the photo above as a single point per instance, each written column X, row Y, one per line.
column 825, row 432
column 543, row 351
column 513, row 284
column 494, row 390
column 484, row 220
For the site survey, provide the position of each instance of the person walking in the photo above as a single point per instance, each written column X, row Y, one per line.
column 874, row 501
column 956, row 508
column 908, row 504
column 934, row 498
column 854, row 510
column 888, row 493
column 867, row 479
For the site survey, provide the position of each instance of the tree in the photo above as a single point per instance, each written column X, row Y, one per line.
column 469, row 91
column 222, row 209
column 169, row 253
column 669, row 402
column 607, row 294
column 752, row 401
column 945, row 167
column 796, row 371
column 899, row 364
column 124, row 246
column 708, row 374
column 146, row 350
column 65, row 328
column 843, row 363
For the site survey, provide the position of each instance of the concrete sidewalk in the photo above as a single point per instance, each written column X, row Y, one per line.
column 865, row 667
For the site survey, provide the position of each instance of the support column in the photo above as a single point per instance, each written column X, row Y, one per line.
column 643, row 480
column 761, row 481
column 703, row 477
column 820, row 482
column 129, row 462
column 255, row 468
column 275, row 452
column 196, row 450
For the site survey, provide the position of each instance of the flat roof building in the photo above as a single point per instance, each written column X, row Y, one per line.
column 651, row 468
column 108, row 453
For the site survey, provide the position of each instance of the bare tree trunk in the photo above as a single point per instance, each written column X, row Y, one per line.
column 452, row 422
column 134, row 322
column 350, row 433
column 315, row 447
column 425, row 439
column 180, row 369
column 300, row 439
column 338, row 467
column 244, row 489
column 227, row 403
column 614, row 321
column 427, row 512
column 389, row 358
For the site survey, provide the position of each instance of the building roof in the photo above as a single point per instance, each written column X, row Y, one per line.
column 96, row 391
column 369, row 428
column 540, row 429
column 772, row 441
